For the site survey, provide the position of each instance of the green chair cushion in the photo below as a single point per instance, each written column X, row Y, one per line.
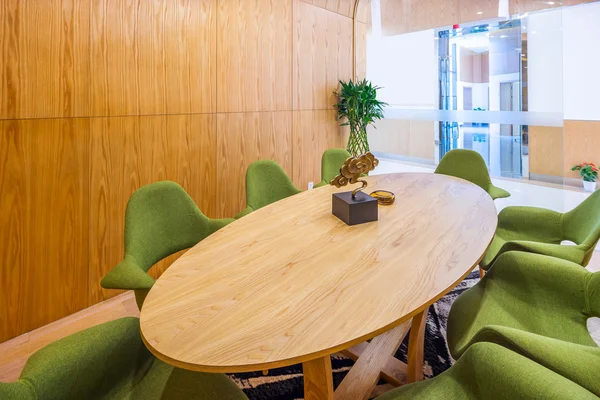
column 488, row 371
column 541, row 231
column 535, row 305
column 469, row 165
column 110, row 361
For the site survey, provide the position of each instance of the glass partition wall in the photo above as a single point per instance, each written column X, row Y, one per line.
column 479, row 69
column 494, row 84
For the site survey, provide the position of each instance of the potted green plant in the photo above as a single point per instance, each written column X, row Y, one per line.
column 358, row 104
column 589, row 173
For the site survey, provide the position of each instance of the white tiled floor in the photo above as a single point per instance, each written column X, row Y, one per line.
column 523, row 194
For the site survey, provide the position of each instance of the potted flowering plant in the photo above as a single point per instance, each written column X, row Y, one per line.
column 589, row 173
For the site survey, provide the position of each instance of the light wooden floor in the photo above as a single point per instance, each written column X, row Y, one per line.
column 14, row 353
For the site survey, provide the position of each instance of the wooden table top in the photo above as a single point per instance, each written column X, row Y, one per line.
column 291, row 282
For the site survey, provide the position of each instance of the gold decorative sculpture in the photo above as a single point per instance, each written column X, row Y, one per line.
column 352, row 170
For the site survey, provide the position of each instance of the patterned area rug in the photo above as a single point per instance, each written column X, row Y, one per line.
column 287, row 383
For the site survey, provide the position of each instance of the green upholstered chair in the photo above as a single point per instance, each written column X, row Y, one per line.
column 488, row 371
column 160, row 220
column 331, row 162
column 110, row 361
column 537, row 306
column 266, row 183
column 541, row 231
column 469, row 165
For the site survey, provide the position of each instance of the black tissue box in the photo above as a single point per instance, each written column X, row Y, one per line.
column 354, row 211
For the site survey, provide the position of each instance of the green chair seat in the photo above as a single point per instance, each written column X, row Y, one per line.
column 537, row 306
column 110, row 361
column 489, row 371
column 331, row 162
column 470, row 166
column 541, row 231
column 161, row 219
column 266, row 183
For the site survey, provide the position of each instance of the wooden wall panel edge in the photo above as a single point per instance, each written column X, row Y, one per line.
column 350, row 13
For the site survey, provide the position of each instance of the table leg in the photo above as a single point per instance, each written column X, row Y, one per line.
column 371, row 364
column 416, row 346
column 318, row 379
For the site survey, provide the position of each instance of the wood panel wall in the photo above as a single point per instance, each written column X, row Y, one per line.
column 546, row 150
column 100, row 97
column 554, row 151
column 581, row 144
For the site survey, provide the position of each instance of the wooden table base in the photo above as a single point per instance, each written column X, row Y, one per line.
column 374, row 360
column 416, row 347
column 318, row 379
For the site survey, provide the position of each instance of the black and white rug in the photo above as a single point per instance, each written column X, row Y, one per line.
column 287, row 383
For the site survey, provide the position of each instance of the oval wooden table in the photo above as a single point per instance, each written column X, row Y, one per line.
column 291, row 283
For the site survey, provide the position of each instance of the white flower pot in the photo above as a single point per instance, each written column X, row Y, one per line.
column 589, row 186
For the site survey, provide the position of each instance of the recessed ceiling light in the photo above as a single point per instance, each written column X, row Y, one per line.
column 479, row 12
column 550, row 3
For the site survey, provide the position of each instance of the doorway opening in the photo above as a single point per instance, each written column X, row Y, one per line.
column 479, row 69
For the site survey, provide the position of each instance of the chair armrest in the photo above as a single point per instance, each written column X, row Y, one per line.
column 497, row 193
column 127, row 275
column 216, row 224
column 564, row 252
column 530, row 223
column 244, row 212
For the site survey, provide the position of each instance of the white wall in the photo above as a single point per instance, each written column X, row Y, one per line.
column 581, row 61
column 545, row 61
column 406, row 67
column 480, row 94
column 495, row 81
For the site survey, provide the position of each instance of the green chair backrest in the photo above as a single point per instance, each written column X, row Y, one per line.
column 582, row 224
column 21, row 390
column 331, row 162
column 558, row 285
column 560, row 292
column 490, row 371
column 96, row 363
column 266, row 183
column 593, row 294
column 465, row 164
column 161, row 219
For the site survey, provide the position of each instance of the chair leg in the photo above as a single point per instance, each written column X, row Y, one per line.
column 481, row 273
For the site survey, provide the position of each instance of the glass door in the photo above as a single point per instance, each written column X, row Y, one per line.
column 480, row 70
